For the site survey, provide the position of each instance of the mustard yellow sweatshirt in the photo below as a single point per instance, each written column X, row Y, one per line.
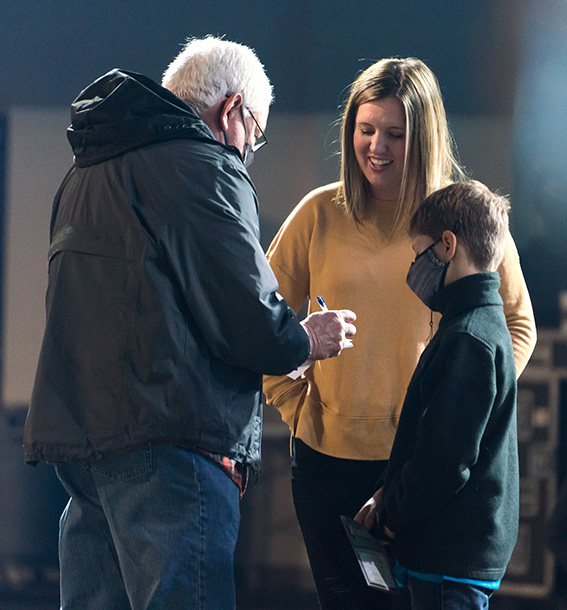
column 348, row 407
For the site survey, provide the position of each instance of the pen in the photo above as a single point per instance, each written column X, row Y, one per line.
column 323, row 306
column 322, row 303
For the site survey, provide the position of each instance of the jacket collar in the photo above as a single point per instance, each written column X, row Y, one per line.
column 470, row 292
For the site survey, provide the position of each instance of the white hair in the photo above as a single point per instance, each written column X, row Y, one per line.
column 208, row 69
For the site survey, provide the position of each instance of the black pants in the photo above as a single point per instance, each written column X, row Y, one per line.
column 324, row 488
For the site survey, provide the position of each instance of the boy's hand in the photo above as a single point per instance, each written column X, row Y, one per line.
column 366, row 516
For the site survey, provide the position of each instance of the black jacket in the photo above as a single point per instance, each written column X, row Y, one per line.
column 162, row 312
column 451, row 489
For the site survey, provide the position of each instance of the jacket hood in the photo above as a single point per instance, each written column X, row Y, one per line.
column 123, row 110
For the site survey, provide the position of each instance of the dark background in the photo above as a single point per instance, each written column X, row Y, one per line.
column 311, row 49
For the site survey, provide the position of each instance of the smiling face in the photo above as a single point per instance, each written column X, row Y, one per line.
column 379, row 144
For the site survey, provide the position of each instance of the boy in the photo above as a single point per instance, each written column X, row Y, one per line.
column 450, row 498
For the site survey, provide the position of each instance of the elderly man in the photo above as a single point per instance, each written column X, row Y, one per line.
column 162, row 316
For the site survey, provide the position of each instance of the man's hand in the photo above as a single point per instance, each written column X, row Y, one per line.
column 366, row 516
column 328, row 331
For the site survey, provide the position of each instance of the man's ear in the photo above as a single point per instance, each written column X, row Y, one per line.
column 232, row 102
column 449, row 242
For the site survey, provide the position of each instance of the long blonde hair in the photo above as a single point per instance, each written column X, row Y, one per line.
column 430, row 160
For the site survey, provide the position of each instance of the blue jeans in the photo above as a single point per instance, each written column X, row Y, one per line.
column 152, row 529
column 446, row 595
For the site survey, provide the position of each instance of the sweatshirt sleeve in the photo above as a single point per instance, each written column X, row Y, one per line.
column 517, row 306
column 288, row 256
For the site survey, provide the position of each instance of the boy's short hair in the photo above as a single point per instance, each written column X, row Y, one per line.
column 474, row 212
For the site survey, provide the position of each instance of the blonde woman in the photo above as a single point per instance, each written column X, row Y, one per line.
column 348, row 242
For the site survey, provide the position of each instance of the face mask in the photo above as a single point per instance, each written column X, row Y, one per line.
column 426, row 276
column 248, row 155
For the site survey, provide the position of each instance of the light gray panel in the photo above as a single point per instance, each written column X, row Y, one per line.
column 38, row 157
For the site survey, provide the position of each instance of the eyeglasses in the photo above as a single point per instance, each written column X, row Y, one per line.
column 262, row 139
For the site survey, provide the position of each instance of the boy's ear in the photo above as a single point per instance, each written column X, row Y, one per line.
column 449, row 242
